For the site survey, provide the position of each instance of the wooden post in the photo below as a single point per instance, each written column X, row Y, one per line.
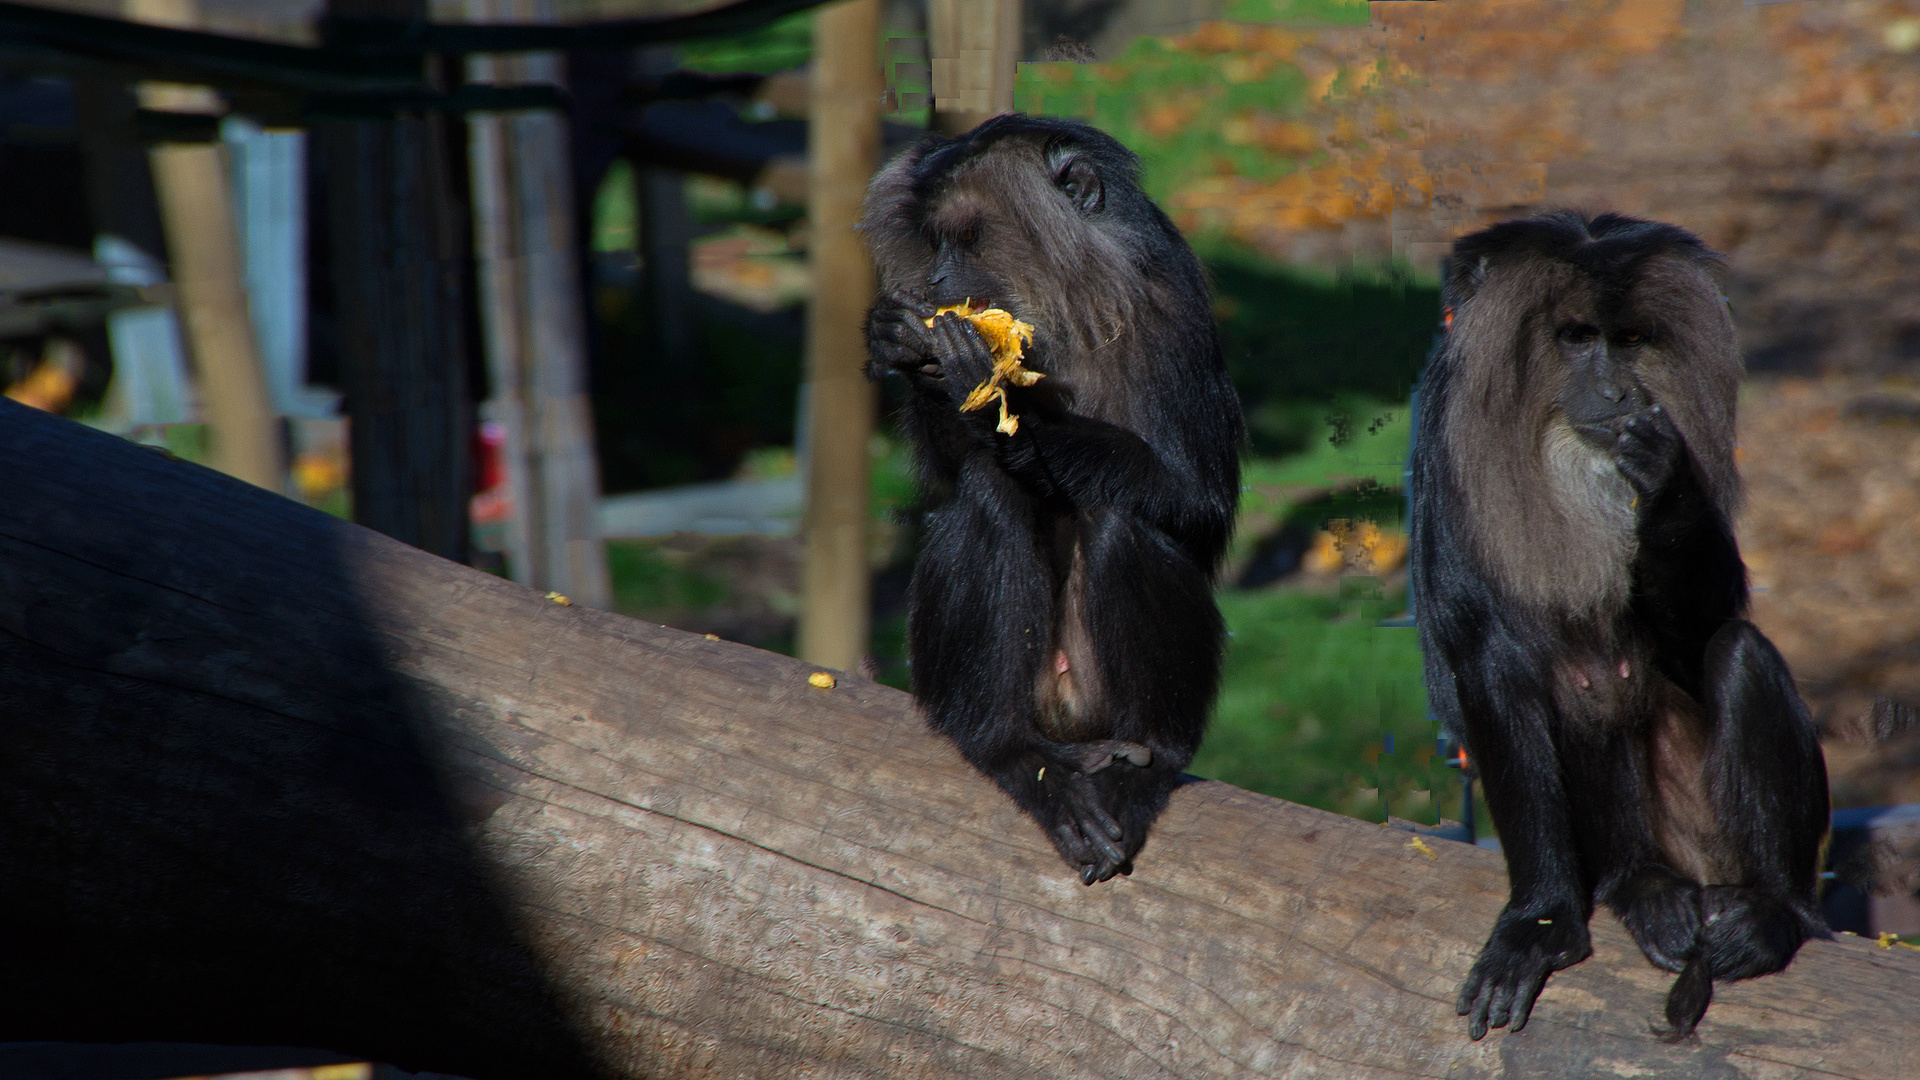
column 533, row 319
column 196, row 210
column 402, row 270
column 843, row 146
column 973, row 45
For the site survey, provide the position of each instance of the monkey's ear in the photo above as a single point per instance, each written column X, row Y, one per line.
column 1077, row 178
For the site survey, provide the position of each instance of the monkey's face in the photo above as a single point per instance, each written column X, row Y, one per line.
column 1600, row 375
column 1040, row 218
column 956, row 273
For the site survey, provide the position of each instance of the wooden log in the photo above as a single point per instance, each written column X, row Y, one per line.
column 271, row 777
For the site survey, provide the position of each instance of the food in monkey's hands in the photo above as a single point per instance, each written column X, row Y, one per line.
column 1007, row 339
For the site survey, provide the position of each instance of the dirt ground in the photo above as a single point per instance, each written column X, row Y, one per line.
column 1831, row 535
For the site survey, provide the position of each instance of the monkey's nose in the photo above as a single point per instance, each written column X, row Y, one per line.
column 1611, row 390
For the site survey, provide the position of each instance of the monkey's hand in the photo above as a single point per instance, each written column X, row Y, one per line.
column 898, row 340
column 1525, row 948
column 1648, row 451
column 965, row 359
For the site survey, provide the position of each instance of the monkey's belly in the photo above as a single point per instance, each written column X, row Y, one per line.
column 1680, row 810
column 1070, row 695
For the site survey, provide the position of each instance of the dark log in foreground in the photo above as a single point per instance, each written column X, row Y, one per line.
column 272, row 778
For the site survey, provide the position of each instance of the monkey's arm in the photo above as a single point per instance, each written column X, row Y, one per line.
column 1096, row 465
column 1093, row 464
column 898, row 343
column 1688, row 579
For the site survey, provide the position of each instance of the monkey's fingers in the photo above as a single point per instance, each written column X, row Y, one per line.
column 1649, row 450
column 961, row 350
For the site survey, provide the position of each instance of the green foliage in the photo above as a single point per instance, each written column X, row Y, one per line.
column 1126, row 99
column 660, row 423
column 779, row 46
column 1297, row 343
column 616, row 213
column 1350, row 438
column 1299, row 12
column 1314, row 690
column 647, row 578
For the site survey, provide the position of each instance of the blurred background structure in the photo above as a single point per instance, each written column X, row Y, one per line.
column 567, row 291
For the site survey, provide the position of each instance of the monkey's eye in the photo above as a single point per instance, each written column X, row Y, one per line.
column 1632, row 337
column 1578, row 334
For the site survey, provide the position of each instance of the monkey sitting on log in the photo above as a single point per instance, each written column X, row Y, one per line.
column 1061, row 624
column 1580, row 601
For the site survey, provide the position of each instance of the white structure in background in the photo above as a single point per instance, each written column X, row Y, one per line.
column 727, row 508
column 270, row 210
column 150, row 381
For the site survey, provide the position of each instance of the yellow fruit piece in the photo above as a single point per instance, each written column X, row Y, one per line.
column 1007, row 339
column 1420, row 846
column 821, row 679
column 558, row 599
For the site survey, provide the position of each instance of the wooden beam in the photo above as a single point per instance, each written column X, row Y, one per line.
column 273, row 778
column 843, row 147
column 203, row 244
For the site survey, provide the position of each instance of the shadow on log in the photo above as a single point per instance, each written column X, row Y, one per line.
column 273, row 778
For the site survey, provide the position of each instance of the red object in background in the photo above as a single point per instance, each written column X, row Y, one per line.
column 489, row 442
column 490, row 502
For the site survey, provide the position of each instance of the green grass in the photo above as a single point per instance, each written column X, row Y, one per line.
column 648, row 578
column 1313, row 694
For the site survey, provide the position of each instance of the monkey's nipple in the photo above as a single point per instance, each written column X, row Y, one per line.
column 1060, row 664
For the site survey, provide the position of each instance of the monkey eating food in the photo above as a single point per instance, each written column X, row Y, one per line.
column 1007, row 339
column 1061, row 624
column 1581, row 605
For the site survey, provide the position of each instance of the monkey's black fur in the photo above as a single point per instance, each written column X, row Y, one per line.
column 1641, row 744
column 1061, row 624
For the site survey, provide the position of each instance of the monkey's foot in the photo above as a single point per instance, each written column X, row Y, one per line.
column 1084, row 832
column 1525, row 948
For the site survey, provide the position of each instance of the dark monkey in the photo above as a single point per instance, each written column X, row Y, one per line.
column 1061, row 623
column 1580, row 602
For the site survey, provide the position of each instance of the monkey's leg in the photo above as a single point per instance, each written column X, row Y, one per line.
column 1509, row 717
column 1155, row 637
column 979, row 625
column 1768, row 785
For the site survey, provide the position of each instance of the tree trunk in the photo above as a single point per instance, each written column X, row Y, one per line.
column 273, row 778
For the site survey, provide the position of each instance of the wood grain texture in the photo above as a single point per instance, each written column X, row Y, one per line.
column 275, row 778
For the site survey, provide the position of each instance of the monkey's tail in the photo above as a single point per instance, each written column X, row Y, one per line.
column 1688, row 1000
